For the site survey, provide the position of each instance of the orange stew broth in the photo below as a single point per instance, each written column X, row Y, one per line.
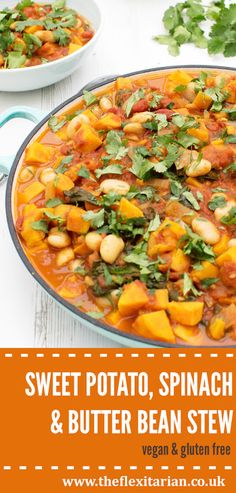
column 41, row 33
column 162, row 263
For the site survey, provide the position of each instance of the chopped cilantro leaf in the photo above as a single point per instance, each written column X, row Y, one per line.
column 89, row 98
column 95, row 218
column 113, row 169
column 83, row 172
column 55, row 124
column 54, row 202
column 134, row 98
column 41, row 225
column 115, row 146
column 217, row 201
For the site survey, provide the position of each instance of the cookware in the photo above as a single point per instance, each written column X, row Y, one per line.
column 128, row 339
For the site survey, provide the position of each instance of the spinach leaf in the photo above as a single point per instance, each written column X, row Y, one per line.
column 77, row 194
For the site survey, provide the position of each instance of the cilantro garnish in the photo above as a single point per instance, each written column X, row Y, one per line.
column 188, row 286
column 89, row 98
column 115, row 145
column 41, row 225
column 134, row 98
column 195, row 247
column 183, row 23
column 55, row 124
column 113, row 169
column 96, row 218
column 62, row 167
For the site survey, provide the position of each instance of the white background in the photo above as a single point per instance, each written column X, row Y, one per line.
column 27, row 316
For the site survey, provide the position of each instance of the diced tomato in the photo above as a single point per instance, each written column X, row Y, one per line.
column 140, row 106
column 30, row 12
column 165, row 101
column 65, row 149
column 87, row 35
column 228, row 274
column 219, row 155
column 35, row 60
column 165, row 111
column 19, row 223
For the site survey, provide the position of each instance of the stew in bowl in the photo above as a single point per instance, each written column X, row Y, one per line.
column 37, row 33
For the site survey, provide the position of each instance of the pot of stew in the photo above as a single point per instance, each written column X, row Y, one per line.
column 121, row 203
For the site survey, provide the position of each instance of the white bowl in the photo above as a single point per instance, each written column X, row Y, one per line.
column 29, row 78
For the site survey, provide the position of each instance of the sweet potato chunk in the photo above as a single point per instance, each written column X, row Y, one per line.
column 75, row 221
column 133, row 297
column 202, row 101
column 188, row 334
column 74, row 47
column 123, row 83
column 155, row 325
column 228, row 256
column 186, row 311
column 38, row 153
column 32, row 191
column 129, row 210
column 217, row 328
column 63, row 183
column 165, row 238
column 161, row 299
column 180, row 262
column 207, row 270
column 86, row 138
column 31, row 214
column 108, row 122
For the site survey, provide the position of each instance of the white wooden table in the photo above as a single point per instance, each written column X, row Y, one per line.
column 28, row 317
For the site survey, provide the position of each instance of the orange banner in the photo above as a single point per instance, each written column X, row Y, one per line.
column 117, row 419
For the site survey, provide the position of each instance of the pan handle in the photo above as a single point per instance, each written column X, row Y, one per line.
column 33, row 114
column 99, row 80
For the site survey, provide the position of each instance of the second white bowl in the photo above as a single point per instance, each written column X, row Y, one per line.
column 29, row 78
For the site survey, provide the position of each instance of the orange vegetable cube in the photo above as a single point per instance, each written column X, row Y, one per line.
column 161, row 299
column 86, row 138
column 75, row 221
column 222, row 245
column 208, row 270
column 200, row 133
column 228, row 256
column 129, row 210
column 74, row 47
column 63, row 183
column 108, row 122
column 180, row 77
column 90, row 115
column 188, row 334
column 114, row 317
column 32, row 191
column 133, row 297
column 123, row 83
column 217, row 328
column 33, row 29
column 38, row 153
column 202, row 101
column 180, row 262
column 32, row 237
column 155, row 325
column 182, row 311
